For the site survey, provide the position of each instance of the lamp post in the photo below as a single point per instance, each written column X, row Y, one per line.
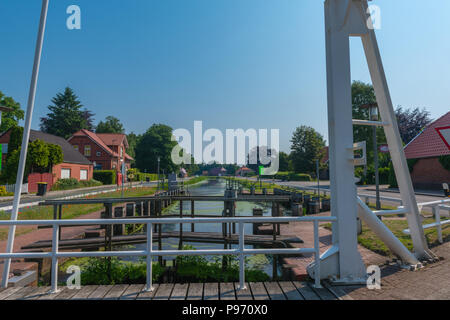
column 373, row 116
column 158, row 175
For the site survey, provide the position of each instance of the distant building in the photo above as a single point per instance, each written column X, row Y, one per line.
column 74, row 164
column 105, row 150
column 218, row 171
column 427, row 147
column 244, row 171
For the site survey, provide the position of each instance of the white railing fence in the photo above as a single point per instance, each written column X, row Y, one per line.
column 12, row 188
column 149, row 253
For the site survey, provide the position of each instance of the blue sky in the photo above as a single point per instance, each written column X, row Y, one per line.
column 230, row 63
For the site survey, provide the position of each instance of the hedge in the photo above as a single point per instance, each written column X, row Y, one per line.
column 105, row 176
column 290, row 176
column 72, row 183
column 392, row 179
column 445, row 162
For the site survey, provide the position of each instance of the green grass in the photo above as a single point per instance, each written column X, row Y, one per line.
column 370, row 240
column 73, row 211
column 19, row 232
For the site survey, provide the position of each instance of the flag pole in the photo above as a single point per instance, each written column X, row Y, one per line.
column 25, row 139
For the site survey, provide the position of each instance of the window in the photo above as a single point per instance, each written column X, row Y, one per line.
column 65, row 173
column 99, row 153
column 75, row 146
column 4, row 148
column 87, row 151
column 83, row 174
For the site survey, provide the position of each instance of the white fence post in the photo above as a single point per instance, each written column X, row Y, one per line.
column 55, row 244
column 437, row 217
column 241, row 257
column 316, row 255
column 149, row 281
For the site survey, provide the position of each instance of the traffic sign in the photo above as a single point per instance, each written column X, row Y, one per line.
column 444, row 133
column 384, row 148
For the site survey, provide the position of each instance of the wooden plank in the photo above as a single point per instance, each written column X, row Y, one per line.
column 195, row 291
column 211, row 291
column 290, row 291
column 259, row 291
column 243, row 294
column 179, row 291
column 164, row 291
column 132, row 292
column 8, row 291
column 23, row 291
column 99, row 292
column 116, row 292
column 305, row 291
column 274, row 291
column 338, row 291
column 227, row 291
column 324, row 294
column 37, row 293
column 84, row 292
column 148, row 295
column 64, row 293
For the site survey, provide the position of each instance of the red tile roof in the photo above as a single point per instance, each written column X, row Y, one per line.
column 113, row 139
column 428, row 143
column 103, row 140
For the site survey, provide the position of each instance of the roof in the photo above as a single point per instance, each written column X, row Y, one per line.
column 428, row 143
column 113, row 139
column 70, row 154
column 104, row 140
column 244, row 169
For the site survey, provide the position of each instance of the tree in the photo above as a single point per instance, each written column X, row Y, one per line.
column 65, row 116
column 38, row 154
column 283, row 161
column 111, row 125
column 133, row 140
column 88, row 116
column 307, row 147
column 156, row 142
column 10, row 118
column 411, row 122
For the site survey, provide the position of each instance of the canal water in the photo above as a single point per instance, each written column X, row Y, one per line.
column 214, row 188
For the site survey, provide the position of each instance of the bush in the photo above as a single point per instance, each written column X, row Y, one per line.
column 72, row 183
column 299, row 177
column 445, row 162
column 105, row 176
column 4, row 193
column 391, row 176
column 66, row 184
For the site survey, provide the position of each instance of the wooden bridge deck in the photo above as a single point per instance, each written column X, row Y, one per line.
column 276, row 290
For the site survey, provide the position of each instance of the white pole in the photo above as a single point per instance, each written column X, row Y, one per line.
column 25, row 138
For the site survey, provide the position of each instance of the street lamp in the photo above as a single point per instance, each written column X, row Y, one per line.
column 158, row 174
column 373, row 116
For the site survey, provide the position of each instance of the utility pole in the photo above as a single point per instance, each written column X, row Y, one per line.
column 157, row 188
column 318, row 178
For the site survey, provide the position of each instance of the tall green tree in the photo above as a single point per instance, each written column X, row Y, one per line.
column 133, row 140
column 307, row 147
column 110, row 125
column 156, row 142
column 283, row 161
column 411, row 122
column 66, row 115
column 10, row 118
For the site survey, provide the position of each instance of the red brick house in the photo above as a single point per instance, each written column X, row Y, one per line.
column 74, row 164
column 427, row 147
column 105, row 150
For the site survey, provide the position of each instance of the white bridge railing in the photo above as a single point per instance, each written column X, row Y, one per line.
column 149, row 253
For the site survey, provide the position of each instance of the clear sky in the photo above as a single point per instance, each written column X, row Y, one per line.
column 230, row 63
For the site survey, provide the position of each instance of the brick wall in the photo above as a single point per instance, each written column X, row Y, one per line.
column 428, row 173
column 34, row 178
column 104, row 159
column 74, row 170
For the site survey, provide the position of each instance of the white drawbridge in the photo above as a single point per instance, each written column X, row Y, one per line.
column 342, row 262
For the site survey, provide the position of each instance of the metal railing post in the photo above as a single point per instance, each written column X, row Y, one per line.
column 55, row 244
column 437, row 217
column 149, row 282
column 316, row 255
column 241, row 257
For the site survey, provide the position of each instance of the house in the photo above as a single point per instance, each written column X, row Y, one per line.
column 426, row 148
column 74, row 164
column 244, row 171
column 219, row 171
column 105, row 150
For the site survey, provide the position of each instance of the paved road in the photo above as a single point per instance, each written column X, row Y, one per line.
column 370, row 190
